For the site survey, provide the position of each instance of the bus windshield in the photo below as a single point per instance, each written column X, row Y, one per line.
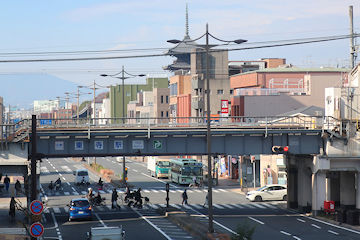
column 164, row 164
column 191, row 171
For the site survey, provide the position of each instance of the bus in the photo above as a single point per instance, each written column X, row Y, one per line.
column 183, row 170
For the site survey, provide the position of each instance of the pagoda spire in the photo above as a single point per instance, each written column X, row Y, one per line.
column 187, row 22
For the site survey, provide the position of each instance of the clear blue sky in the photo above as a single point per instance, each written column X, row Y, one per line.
column 68, row 25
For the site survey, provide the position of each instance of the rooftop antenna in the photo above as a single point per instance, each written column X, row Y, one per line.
column 187, row 22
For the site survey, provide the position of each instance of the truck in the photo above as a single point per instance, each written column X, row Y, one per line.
column 158, row 167
column 106, row 233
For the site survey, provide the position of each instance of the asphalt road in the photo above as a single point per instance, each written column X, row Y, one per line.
column 270, row 220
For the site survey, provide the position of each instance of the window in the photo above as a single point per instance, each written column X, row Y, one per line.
column 167, row 99
column 162, row 99
column 162, row 113
column 220, row 91
column 167, row 113
column 231, row 91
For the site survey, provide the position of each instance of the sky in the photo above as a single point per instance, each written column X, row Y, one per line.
column 30, row 27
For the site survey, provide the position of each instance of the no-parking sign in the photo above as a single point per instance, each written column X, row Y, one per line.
column 36, row 229
column 36, row 207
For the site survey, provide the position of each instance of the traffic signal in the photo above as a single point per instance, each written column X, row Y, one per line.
column 125, row 174
column 280, row 149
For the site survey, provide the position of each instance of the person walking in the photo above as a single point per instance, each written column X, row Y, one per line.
column 7, row 182
column 17, row 187
column 114, row 198
column 206, row 203
column 184, row 198
column 12, row 208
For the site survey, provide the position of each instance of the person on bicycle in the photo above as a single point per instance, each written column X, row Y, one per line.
column 12, row 207
column 98, row 198
column 90, row 194
column 101, row 182
column 58, row 184
column 138, row 197
column 51, row 186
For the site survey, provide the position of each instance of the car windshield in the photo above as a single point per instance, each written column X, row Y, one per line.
column 262, row 188
column 80, row 203
column 82, row 173
column 164, row 164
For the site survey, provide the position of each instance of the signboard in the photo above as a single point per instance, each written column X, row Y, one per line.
column 119, row 144
column 157, row 144
column 36, row 207
column 59, row 145
column 224, row 106
column 138, row 144
column 36, row 229
column 79, row 145
column 99, row 145
column 45, row 122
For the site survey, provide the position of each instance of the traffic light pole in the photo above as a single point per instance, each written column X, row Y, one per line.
column 33, row 155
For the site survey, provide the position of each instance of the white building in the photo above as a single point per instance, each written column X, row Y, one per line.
column 42, row 106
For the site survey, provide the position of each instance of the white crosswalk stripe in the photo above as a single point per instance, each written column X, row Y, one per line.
column 237, row 206
column 269, row 205
column 109, row 191
column 56, row 210
column 228, row 206
column 76, row 193
column 258, row 205
column 222, row 190
column 214, row 190
column 154, row 206
column 101, row 191
column 175, row 206
column 66, row 193
column 147, row 191
column 186, row 206
column 173, row 191
column 66, row 210
column 46, row 210
column 120, row 191
column 218, row 206
column 197, row 206
column 83, row 192
column 155, row 191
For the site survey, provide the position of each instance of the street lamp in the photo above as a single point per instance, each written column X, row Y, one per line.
column 208, row 137
column 123, row 101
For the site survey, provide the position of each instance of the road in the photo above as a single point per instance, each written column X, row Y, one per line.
column 270, row 220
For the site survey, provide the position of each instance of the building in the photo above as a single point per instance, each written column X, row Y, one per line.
column 104, row 111
column 236, row 67
column 41, row 106
column 131, row 91
column 180, row 96
column 274, row 91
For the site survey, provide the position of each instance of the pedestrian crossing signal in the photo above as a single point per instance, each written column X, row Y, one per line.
column 280, row 149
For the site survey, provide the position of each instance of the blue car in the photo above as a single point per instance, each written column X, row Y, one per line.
column 79, row 209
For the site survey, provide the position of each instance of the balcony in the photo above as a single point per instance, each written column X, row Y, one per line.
column 197, row 102
column 197, row 81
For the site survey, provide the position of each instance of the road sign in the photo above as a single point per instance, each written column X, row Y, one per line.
column 36, row 229
column 36, row 207
column 157, row 144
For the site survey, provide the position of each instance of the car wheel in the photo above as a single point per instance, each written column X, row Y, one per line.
column 258, row 199
column 285, row 198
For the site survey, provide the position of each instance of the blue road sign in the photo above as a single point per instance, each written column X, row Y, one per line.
column 36, row 207
column 36, row 229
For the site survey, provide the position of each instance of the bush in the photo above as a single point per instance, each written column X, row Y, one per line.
column 244, row 232
column 96, row 167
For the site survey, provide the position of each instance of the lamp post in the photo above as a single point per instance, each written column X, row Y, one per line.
column 208, row 136
column 123, row 77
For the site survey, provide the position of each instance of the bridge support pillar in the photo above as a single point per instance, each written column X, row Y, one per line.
column 347, row 193
column 318, row 191
column 292, row 182
column 304, row 183
column 357, row 179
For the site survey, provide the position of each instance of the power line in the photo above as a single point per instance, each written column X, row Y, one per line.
column 302, row 41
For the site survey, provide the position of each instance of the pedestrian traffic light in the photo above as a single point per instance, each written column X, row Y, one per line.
column 125, row 174
column 280, row 149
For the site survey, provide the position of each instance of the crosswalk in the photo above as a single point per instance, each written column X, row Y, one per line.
column 106, row 208
column 74, row 191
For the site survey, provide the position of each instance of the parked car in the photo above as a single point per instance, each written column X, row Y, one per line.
column 81, row 176
column 79, row 208
column 268, row 192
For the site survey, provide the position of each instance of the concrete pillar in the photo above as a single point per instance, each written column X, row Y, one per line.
column 335, row 189
column 304, row 183
column 292, row 182
column 357, row 179
column 318, row 191
column 347, row 189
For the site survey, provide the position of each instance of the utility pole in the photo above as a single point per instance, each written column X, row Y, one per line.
column 352, row 39
column 77, row 109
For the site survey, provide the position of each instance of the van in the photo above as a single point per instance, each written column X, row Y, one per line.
column 81, row 176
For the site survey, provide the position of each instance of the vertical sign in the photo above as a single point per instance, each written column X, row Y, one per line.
column 79, row 145
column 224, row 108
column 59, row 145
column 118, row 145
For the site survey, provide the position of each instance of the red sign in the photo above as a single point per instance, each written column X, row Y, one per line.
column 36, row 207
column 224, row 106
column 36, row 229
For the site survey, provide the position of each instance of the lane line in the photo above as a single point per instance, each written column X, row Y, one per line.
column 300, row 220
column 258, row 221
column 56, row 226
column 153, row 225
column 286, row 233
column 330, row 224
column 333, row 232
column 68, row 183
column 297, row 238
column 101, row 221
column 316, row 226
column 159, row 180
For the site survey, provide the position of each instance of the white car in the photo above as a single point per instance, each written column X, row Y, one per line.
column 268, row 192
column 81, row 176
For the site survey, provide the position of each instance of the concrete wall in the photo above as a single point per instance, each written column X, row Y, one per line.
column 161, row 106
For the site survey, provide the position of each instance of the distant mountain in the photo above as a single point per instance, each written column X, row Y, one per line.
column 23, row 89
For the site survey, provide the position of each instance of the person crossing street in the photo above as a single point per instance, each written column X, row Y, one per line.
column 114, row 198
column 184, row 198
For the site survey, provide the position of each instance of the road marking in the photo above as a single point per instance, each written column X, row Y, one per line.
column 64, row 179
column 222, row 190
column 162, row 205
column 153, row 225
column 216, row 191
column 76, row 193
column 101, row 191
column 173, row 191
column 66, row 209
column 258, row 205
column 172, row 185
column 68, row 183
column 333, row 232
column 154, row 206
column 155, row 191
column 135, row 170
column 60, row 174
column 258, row 221
column 197, row 206
column 56, row 209
column 218, row 206
column 237, row 205
column 147, row 191
column 228, row 206
column 67, row 193
column 56, row 226
column 163, row 191
column 286, row 233
column 297, row 238
column 300, row 220
column 330, row 224
column 197, row 191
column 56, row 170
column 101, row 221
column 186, row 206
column 269, row 205
column 316, row 226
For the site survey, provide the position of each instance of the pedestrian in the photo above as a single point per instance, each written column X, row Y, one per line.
column 17, row 187
column 184, row 198
column 206, row 203
column 114, row 197
column 7, row 182
column 12, row 207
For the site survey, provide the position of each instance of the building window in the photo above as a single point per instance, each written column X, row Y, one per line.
column 167, row 113
column 167, row 99
column 162, row 113
column 231, row 91
column 162, row 99
column 220, row 91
